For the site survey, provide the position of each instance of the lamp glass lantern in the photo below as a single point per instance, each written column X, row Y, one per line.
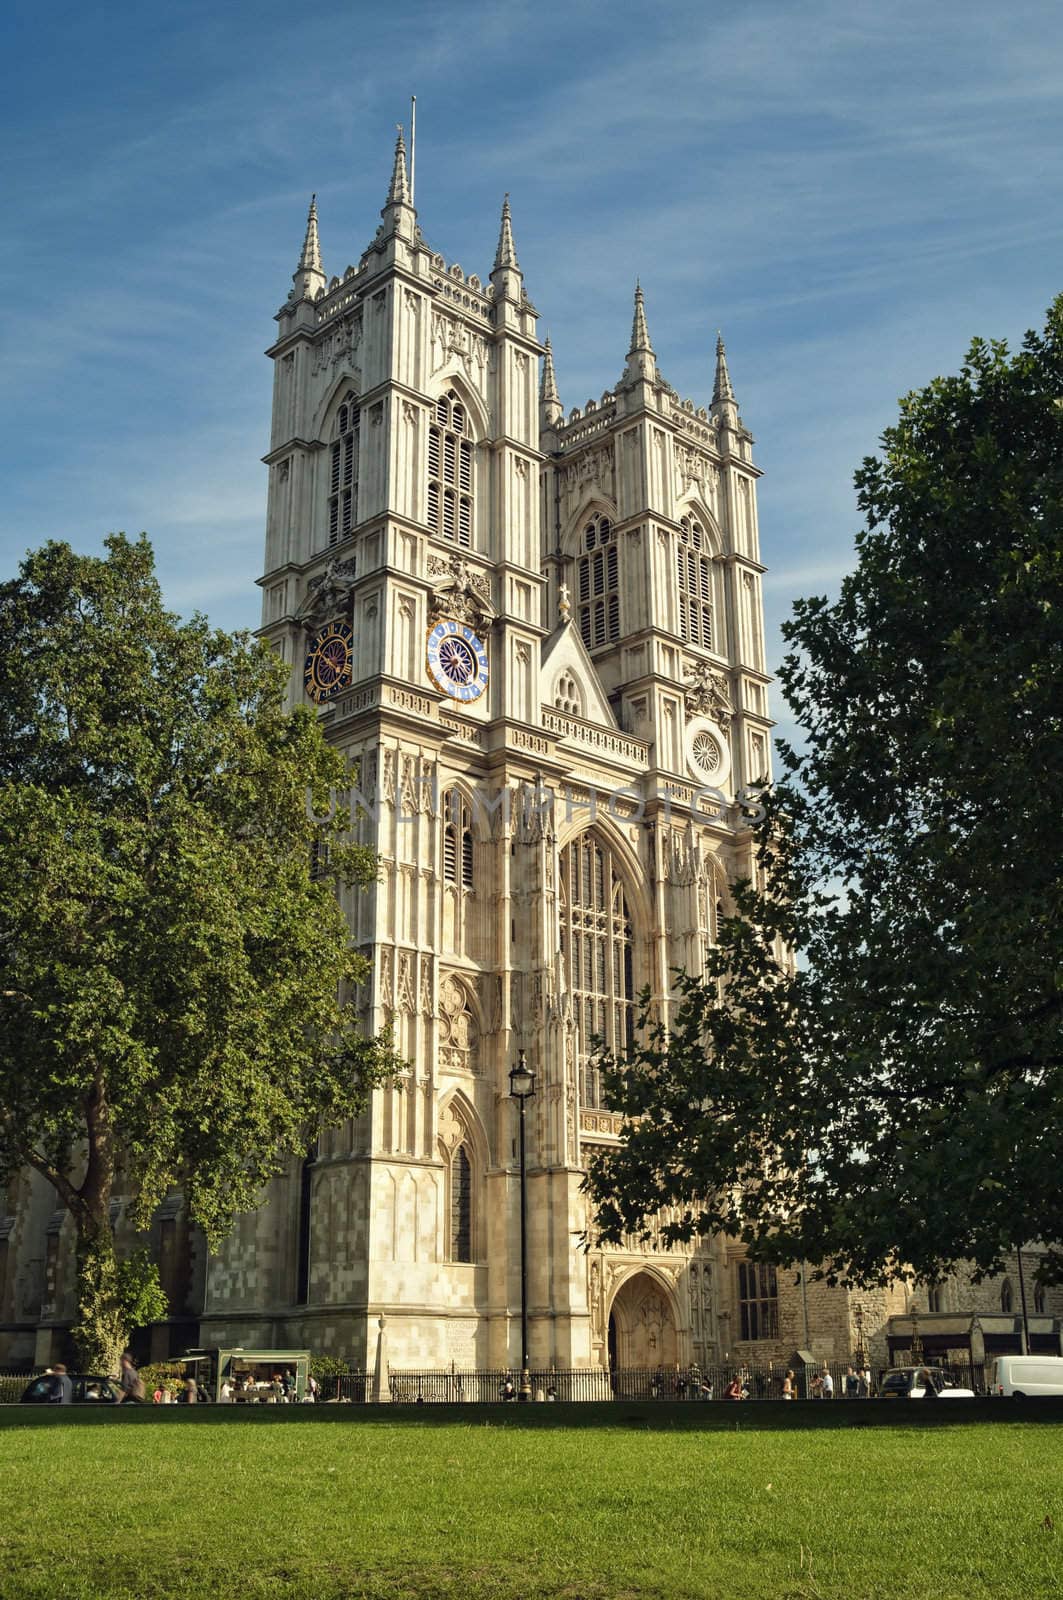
column 521, row 1079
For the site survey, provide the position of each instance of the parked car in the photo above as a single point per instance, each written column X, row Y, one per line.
column 88, row 1389
column 912, row 1383
column 1027, row 1375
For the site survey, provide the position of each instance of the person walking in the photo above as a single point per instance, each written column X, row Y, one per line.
column 788, row 1386
column 852, row 1384
column 130, row 1383
column 826, row 1384
column 63, row 1390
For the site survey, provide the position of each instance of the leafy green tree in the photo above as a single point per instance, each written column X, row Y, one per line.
column 176, row 983
column 895, row 1098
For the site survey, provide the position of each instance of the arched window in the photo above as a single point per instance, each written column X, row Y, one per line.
column 1040, row 1299
column 935, row 1297
column 1007, row 1297
column 457, row 840
column 598, row 581
column 450, row 485
column 460, row 1206
column 596, row 944
column 343, row 471
column 694, row 570
column 567, row 696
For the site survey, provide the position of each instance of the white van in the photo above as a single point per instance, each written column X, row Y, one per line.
column 1027, row 1375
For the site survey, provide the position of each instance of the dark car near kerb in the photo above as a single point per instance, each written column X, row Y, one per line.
column 88, row 1389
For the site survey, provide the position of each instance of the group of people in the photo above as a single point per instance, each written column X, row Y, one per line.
column 507, row 1390
column 819, row 1384
column 281, row 1388
column 856, row 1384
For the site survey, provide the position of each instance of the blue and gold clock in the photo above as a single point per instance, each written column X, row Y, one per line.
column 329, row 662
column 457, row 660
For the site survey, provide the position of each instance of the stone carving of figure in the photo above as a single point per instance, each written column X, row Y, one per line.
column 707, row 695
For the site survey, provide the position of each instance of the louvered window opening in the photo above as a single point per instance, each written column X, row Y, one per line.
column 758, row 1301
column 343, row 472
column 598, row 592
column 461, row 1206
column 450, row 496
column 596, row 943
column 457, row 840
column 695, row 584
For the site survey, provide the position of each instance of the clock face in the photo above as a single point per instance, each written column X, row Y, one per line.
column 329, row 662
column 457, row 661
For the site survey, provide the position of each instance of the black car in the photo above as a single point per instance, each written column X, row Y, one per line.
column 88, row 1390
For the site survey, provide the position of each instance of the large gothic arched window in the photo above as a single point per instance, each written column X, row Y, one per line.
column 596, row 943
column 343, row 471
column 450, row 485
column 694, row 571
column 599, row 583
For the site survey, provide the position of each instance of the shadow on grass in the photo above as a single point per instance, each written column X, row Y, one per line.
column 662, row 1415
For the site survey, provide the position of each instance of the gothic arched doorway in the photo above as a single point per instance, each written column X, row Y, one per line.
column 642, row 1330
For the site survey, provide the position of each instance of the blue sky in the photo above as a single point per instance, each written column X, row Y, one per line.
column 849, row 190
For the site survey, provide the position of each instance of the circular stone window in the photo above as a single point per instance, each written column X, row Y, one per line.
column 708, row 757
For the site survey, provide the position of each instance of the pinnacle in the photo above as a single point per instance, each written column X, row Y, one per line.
column 548, row 387
column 399, row 193
column 722, row 391
column 506, row 254
column 310, row 260
column 640, row 336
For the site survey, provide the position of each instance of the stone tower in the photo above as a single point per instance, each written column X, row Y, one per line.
column 539, row 643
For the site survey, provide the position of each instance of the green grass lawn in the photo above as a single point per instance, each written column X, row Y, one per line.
column 522, row 1503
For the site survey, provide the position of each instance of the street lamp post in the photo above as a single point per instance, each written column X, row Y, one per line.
column 522, row 1087
column 858, row 1318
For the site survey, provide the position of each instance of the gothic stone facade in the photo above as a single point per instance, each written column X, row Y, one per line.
column 539, row 640
column 553, row 806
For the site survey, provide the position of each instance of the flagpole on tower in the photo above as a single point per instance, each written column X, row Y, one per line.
column 413, row 148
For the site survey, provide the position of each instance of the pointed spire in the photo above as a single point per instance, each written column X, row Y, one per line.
column 640, row 334
column 308, row 279
column 506, row 254
column 399, row 193
column 550, row 408
column 310, row 260
column 722, row 393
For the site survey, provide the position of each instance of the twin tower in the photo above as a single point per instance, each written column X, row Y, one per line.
column 538, row 638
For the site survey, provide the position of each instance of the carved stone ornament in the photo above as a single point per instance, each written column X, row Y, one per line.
column 706, row 695
column 327, row 595
column 460, row 593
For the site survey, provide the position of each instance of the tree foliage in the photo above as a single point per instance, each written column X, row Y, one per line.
column 178, row 1004
column 897, row 1099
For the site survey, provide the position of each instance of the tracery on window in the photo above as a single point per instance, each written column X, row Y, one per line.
column 568, row 696
column 450, row 471
column 1007, row 1297
column 694, row 572
column 459, row 1036
column 343, row 471
column 597, row 946
column 758, row 1301
column 598, row 586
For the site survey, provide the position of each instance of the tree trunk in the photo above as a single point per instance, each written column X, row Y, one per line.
column 102, row 1331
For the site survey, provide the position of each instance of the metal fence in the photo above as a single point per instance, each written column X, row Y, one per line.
column 755, row 1381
